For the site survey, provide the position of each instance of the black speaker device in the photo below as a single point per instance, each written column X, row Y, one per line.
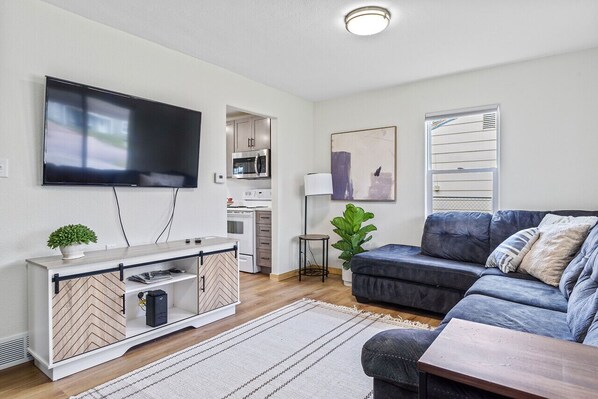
column 156, row 308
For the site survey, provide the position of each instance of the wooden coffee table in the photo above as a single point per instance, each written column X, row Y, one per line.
column 510, row 363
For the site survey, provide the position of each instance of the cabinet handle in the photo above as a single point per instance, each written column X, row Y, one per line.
column 203, row 283
column 253, row 142
column 265, row 257
column 123, row 303
column 265, row 230
column 249, row 142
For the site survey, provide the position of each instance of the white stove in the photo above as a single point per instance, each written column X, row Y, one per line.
column 261, row 198
column 241, row 225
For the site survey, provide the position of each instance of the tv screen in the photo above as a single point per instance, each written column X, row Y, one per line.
column 99, row 137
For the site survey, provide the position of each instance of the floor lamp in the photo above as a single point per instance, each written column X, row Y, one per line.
column 316, row 184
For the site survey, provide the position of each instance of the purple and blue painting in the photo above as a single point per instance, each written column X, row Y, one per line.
column 363, row 165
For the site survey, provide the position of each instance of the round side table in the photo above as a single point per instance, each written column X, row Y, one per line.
column 313, row 271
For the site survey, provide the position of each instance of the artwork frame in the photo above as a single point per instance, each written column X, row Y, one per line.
column 363, row 164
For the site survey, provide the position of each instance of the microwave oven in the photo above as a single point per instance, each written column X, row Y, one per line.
column 251, row 164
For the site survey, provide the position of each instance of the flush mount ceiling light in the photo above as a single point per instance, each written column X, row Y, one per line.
column 367, row 21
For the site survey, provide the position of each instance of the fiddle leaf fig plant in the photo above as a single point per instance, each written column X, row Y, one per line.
column 71, row 234
column 352, row 234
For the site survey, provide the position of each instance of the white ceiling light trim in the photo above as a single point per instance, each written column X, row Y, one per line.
column 366, row 21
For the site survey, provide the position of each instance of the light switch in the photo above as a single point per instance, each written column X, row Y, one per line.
column 3, row 167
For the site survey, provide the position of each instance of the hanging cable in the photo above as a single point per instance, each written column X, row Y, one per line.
column 122, row 227
column 176, row 194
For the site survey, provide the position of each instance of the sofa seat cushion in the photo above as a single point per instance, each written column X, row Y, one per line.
column 408, row 263
column 514, row 316
column 405, row 293
column 493, row 271
column 526, row 292
column 392, row 355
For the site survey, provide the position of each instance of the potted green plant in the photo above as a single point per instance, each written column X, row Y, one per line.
column 353, row 235
column 72, row 239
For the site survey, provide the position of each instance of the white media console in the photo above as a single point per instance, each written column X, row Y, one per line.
column 84, row 312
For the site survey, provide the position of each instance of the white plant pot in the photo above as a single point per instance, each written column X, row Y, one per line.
column 72, row 251
column 347, row 277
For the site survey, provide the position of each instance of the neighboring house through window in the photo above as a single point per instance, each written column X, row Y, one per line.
column 462, row 159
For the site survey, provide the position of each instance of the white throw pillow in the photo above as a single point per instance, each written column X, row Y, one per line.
column 509, row 254
column 552, row 252
column 550, row 219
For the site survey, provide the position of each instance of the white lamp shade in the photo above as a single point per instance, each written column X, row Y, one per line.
column 318, row 184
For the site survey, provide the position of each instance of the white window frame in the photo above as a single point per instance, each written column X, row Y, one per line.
column 429, row 194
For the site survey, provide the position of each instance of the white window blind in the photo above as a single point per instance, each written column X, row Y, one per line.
column 462, row 160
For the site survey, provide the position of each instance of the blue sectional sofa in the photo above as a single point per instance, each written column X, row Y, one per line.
column 446, row 275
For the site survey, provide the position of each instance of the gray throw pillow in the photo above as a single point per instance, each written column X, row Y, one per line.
column 508, row 255
column 550, row 219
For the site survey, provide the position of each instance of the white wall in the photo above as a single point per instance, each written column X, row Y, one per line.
column 37, row 39
column 549, row 138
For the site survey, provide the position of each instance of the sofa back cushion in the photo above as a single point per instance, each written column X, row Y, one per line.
column 462, row 236
column 579, row 262
column 583, row 301
column 592, row 335
column 506, row 223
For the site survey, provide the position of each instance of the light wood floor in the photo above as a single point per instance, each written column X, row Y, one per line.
column 259, row 295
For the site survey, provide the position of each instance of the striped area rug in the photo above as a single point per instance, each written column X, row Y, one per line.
column 308, row 349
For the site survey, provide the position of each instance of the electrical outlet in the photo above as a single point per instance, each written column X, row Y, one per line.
column 3, row 167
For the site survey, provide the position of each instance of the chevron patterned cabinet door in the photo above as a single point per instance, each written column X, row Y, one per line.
column 218, row 281
column 87, row 313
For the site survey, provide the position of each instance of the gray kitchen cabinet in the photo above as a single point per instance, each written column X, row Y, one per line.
column 251, row 134
column 263, row 232
column 243, row 135
column 261, row 133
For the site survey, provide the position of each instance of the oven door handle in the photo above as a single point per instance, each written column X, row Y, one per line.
column 243, row 215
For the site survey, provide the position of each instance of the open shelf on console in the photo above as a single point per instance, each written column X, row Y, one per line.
column 137, row 325
column 134, row 286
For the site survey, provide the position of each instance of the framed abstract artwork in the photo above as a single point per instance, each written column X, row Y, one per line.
column 363, row 164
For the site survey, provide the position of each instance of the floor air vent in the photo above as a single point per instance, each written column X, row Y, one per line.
column 13, row 351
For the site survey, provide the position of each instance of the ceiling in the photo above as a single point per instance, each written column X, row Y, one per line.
column 301, row 46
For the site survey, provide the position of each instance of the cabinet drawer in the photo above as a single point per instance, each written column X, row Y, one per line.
column 264, row 243
column 264, row 257
column 263, row 217
column 263, row 230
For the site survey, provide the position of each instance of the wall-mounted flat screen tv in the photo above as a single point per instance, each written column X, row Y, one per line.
column 104, row 138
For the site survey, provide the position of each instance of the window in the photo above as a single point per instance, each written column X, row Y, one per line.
column 462, row 160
